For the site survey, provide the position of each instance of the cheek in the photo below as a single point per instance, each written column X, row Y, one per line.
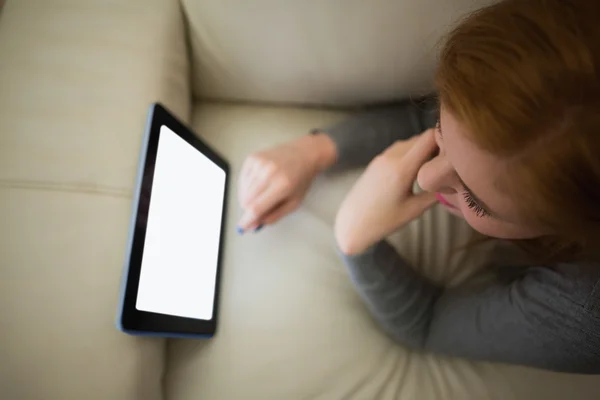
column 485, row 226
column 498, row 229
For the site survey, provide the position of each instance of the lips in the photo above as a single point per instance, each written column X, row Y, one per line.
column 443, row 200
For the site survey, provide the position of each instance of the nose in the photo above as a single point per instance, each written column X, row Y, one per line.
column 438, row 175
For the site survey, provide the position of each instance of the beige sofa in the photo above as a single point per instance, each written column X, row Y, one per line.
column 76, row 78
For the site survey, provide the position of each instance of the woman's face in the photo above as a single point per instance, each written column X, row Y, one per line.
column 465, row 180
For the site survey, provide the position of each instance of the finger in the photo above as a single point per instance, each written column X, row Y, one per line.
column 247, row 167
column 256, row 185
column 261, row 205
column 245, row 178
column 424, row 146
column 279, row 212
column 248, row 221
column 243, row 189
column 419, row 203
column 399, row 148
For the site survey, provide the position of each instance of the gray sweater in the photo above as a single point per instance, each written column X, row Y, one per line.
column 546, row 317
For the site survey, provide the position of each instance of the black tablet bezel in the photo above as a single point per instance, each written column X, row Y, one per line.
column 133, row 320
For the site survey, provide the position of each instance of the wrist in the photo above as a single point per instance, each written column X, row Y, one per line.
column 324, row 149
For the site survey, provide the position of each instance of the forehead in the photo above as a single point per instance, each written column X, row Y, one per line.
column 481, row 171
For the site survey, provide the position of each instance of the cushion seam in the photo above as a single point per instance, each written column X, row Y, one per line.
column 82, row 188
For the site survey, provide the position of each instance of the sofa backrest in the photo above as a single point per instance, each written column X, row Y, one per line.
column 334, row 52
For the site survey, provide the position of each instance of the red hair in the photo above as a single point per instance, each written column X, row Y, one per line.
column 524, row 78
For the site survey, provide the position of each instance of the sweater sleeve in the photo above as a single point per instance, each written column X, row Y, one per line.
column 539, row 319
column 360, row 138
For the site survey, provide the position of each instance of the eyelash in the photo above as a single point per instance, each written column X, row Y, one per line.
column 472, row 204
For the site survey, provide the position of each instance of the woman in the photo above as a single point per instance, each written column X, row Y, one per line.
column 515, row 153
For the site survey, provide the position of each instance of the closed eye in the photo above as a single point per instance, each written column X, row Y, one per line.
column 471, row 200
column 475, row 206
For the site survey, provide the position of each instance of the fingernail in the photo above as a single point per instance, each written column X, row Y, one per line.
column 248, row 219
column 239, row 230
column 258, row 228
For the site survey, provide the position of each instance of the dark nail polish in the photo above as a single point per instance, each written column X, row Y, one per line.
column 258, row 228
column 239, row 230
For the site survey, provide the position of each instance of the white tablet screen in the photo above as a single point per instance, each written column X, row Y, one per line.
column 179, row 263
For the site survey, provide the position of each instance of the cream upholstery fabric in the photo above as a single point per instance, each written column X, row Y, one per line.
column 317, row 52
column 76, row 79
column 291, row 324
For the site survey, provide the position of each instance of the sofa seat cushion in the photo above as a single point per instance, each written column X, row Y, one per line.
column 61, row 262
column 292, row 326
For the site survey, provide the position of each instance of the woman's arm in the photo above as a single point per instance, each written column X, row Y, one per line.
column 273, row 182
column 360, row 138
column 538, row 320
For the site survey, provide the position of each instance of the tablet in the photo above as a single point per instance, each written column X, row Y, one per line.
column 170, row 284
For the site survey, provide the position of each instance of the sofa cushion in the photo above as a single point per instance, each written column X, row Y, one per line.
column 292, row 326
column 77, row 78
column 61, row 259
column 317, row 52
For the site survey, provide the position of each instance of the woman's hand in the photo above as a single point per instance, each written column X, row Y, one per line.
column 382, row 200
column 273, row 182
